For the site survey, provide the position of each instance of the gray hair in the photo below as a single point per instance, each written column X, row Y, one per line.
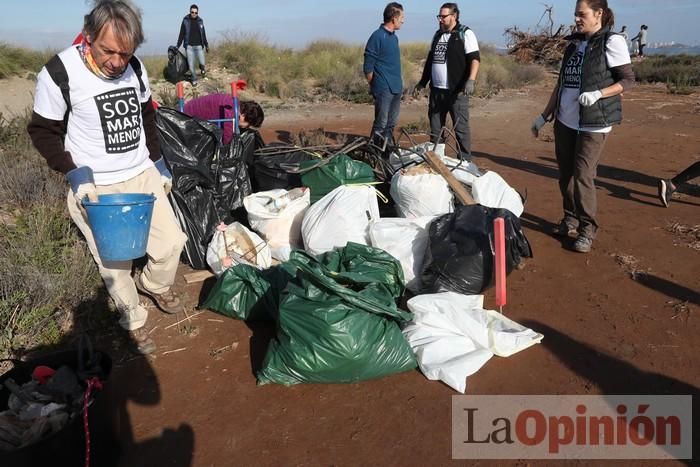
column 122, row 15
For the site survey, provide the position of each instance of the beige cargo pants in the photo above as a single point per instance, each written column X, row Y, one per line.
column 165, row 242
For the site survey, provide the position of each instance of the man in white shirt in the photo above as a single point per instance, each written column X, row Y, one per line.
column 451, row 68
column 94, row 121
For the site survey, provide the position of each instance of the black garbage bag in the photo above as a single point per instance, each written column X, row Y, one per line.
column 272, row 170
column 233, row 180
column 460, row 253
column 177, row 65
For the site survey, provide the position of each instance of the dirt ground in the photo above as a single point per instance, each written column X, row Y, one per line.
column 623, row 319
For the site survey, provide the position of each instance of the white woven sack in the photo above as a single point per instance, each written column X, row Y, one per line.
column 235, row 244
column 406, row 240
column 276, row 215
column 492, row 191
column 426, row 195
column 342, row 216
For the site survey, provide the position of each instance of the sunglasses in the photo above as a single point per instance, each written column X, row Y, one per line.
column 193, row 12
column 444, row 16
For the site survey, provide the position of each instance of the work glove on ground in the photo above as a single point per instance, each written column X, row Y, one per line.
column 165, row 176
column 416, row 90
column 587, row 99
column 469, row 87
column 537, row 125
column 82, row 182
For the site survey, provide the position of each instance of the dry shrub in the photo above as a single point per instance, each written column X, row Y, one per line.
column 542, row 47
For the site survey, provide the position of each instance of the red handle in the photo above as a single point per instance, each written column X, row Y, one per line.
column 499, row 233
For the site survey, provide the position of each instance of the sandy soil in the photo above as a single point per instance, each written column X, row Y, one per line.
column 623, row 319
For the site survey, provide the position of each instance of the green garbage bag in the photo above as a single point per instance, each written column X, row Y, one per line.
column 244, row 292
column 326, row 175
column 338, row 321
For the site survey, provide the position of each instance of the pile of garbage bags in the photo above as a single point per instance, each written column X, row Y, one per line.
column 309, row 240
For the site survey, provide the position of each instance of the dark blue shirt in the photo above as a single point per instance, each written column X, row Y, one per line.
column 383, row 58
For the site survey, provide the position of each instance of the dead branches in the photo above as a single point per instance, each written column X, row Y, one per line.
column 545, row 47
column 540, row 48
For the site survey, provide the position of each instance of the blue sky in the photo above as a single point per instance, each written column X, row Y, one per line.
column 53, row 24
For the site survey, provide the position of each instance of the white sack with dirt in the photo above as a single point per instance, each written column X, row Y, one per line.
column 418, row 192
column 492, row 191
column 407, row 157
column 342, row 216
column 406, row 240
column 235, row 244
column 277, row 215
column 453, row 336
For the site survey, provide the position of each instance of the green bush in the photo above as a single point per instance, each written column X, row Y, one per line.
column 18, row 60
column 679, row 71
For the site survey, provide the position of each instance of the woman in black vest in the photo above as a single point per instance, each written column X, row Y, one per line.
column 585, row 104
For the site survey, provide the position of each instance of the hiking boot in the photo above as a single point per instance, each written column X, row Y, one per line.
column 666, row 189
column 583, row 244
column 565, row 229
column 168, row 301
column 141, row 342
column 203, row 72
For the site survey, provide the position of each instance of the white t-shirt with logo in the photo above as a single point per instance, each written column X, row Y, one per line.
column 616, row 54
column 105, row 128
column 439, row 69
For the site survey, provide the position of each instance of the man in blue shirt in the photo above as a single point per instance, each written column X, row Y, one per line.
column 382, row 69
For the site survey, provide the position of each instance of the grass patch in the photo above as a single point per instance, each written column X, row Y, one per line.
column 328, row 68
column 17, row 61
column 46, row 270
column 679, row 72
column 155, row 66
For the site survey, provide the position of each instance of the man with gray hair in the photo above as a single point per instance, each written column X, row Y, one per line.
column 94, row 121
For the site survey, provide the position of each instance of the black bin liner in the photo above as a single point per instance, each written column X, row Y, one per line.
column 460, row 253
column 272, row 171
column 177, row 65
column 67, row 446
column 209, row 180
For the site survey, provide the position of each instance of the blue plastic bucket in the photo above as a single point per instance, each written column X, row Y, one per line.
column 120, row 223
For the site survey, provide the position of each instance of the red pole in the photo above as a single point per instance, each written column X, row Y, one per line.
column 180, row 96
column 499, row 233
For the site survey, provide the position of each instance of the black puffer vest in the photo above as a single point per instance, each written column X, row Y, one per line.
column 595, row 75
column 458, row 68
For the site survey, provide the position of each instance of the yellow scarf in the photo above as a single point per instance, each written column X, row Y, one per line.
column 86, row 54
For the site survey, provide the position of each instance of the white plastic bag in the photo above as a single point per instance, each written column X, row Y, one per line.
column 277, row 215
column 235, row 244
column 453, row 336
column 420, row 195
column 403, row 157
column 342, row 216
column 405, row 240
column 492, row 191
column 465, row 172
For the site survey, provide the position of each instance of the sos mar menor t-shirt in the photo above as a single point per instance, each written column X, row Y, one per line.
column 439, row 69
column 105, row 128
column 616, row 54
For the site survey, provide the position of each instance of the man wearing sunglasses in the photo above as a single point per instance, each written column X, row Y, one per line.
column 451, row 69
column 194, row 38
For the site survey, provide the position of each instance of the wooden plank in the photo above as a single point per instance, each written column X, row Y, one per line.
column 437, row 165
column 198, row 276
